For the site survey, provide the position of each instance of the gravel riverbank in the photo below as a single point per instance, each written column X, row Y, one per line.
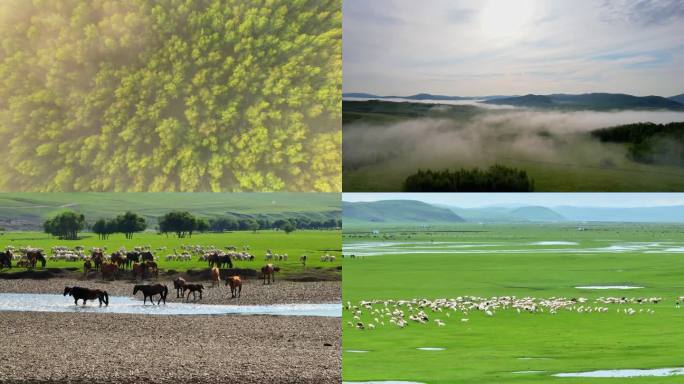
column 116, row 348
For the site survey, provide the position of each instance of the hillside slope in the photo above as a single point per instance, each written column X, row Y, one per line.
column 397, row 211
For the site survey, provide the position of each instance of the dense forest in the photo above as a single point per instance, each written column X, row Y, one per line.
column 177, row 95
column 497, row 178
column 648, row 142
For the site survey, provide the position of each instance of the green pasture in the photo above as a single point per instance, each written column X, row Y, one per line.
column 499, row 260
column 313, row 243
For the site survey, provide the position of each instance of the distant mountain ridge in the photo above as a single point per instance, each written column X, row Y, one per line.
column 590, row 101
column 397, row 211
column 596, row 100
column 420, row 96
column 678, row 98
column 404, row 211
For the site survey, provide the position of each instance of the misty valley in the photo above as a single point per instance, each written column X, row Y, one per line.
column 589, row 142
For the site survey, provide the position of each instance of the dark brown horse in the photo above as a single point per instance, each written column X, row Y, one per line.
column 147, row 256
column 235, row 286
column 87, row 266
column 6, row 259
column 34, row 256
column 193, row 288
column 268, row 272
column 132, row 258
column 86, row 294
column 118, row 259
column 151, row 290
column 179, row 284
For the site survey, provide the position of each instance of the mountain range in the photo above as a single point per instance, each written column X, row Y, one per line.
column 600, row 101
column 410, row 211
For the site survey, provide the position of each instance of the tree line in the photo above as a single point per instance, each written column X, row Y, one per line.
column 648, row 142
column 497, row 178
column 66, row 225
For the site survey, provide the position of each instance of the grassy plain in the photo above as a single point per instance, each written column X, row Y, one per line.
column 498, row 260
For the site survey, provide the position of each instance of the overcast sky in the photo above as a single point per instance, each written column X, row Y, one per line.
column 492, row 47
column 471, row 200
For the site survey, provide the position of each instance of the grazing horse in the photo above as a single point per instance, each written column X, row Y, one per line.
column 87, row 294
column 268, row 271
column 179, row 284
column 132, row 258
column 147, row 256
column 6, row 259
column 235, row 286
column 151, row 290
column 118, row 259
column 192, row 288
column 34, row 256
column 215, row 276
column 109, row 271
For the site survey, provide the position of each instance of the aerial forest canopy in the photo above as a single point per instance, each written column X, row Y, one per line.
column 177, row 95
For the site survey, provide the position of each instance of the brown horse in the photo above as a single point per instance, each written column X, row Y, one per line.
column 97, row 257
column 118, row 259
column 150, row 268
column 268, row 272
column 109, row 271
column 87, row 266
column 34, row 256
column 151, row 290
column 192, row 288
column 235, row 286
column 215, row 276
column 179, row 284
column 138, row 271
column 86, row 294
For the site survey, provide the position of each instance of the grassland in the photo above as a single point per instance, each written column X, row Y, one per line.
column 36, row 207
column 309, row 242
column 498, row 260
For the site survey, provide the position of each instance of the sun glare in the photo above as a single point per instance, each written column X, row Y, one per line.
column 506, row 19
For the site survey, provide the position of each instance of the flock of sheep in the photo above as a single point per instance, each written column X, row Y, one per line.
column 368, row 315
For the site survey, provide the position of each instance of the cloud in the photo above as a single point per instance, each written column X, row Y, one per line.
column 643, row 12
column 444, row 47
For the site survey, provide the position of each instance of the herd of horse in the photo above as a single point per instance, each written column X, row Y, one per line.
column 180, row 285
column 31, row 259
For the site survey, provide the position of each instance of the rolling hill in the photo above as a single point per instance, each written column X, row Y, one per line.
column 397, row 211
column 537, row 213
column 598, row 101
column 678, row 98
column 29, row 210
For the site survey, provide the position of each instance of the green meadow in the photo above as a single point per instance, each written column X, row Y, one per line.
column 527, row 260
column 302, row 242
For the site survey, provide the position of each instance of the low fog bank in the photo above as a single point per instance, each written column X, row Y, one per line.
column 494, row 135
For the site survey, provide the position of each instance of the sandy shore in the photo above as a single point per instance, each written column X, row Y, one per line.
column 253, row 291
column 90, row 347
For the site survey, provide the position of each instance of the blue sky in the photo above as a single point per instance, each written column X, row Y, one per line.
column 470, row 200
column 488, row 47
